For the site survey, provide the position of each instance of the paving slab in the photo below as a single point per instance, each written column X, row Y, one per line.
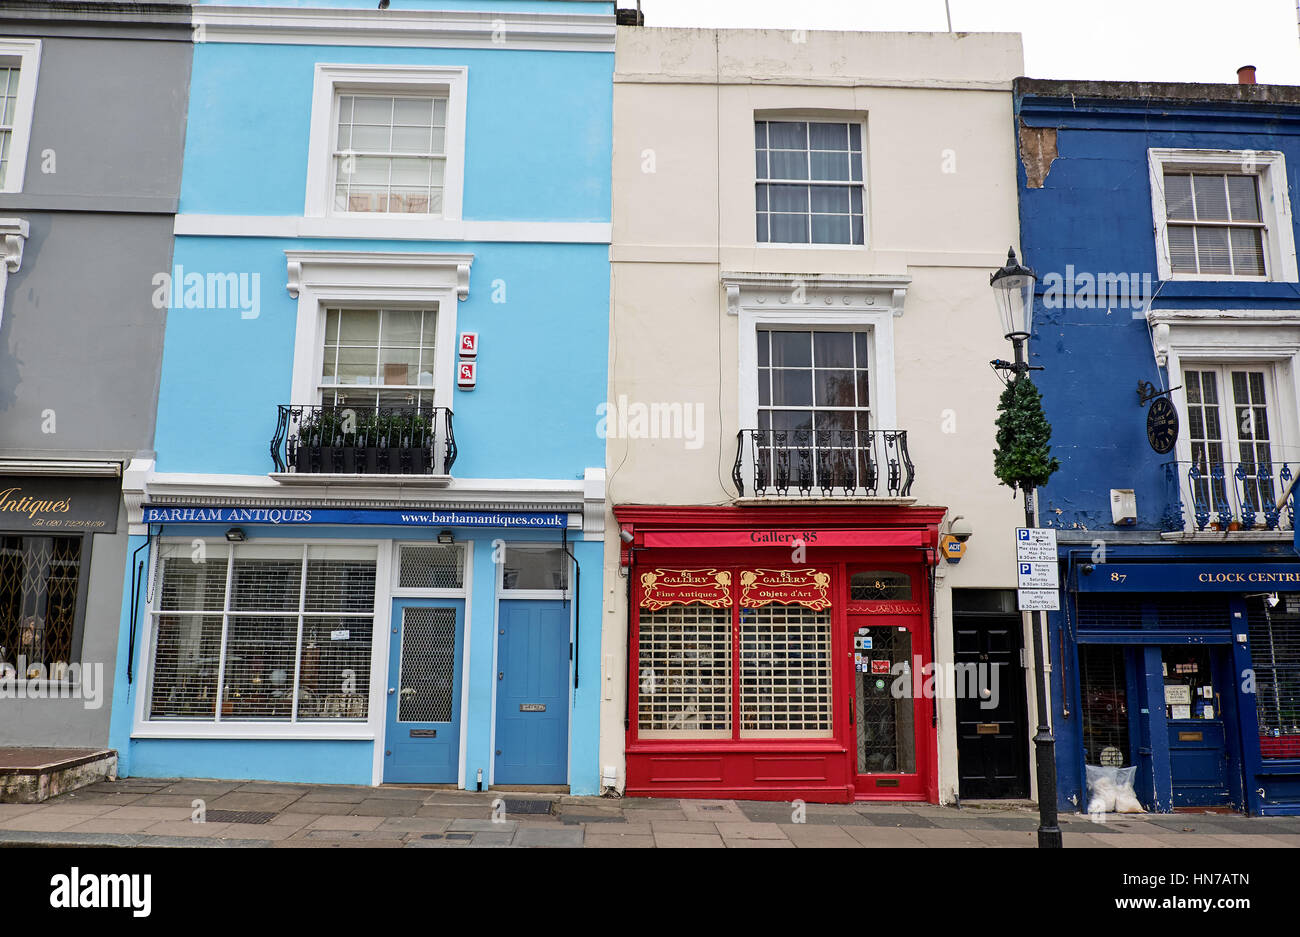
column 563, row 838
column 386, row 807
column 415, row 824
column 740, row 843
column 132, row 812
column 890, row 838
column 688, row 841
column 683, row 826
column 483, row 826
column 750, row 831
column 345, row 823
column 367, row 836
column 600, row 840
column 272, row 803
column 492, row 839
column 808, row 836
column 41, row 822
column 638, row 815
column 319, row 808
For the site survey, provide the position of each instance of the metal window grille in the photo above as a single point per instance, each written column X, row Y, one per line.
column 1109, row 611
column 1275, row 657
column 8, row 104
column 685, row 671
column 38, row 600
column 428, row 665
column 1105, row 705
column 390, row 153
column 785, row 671
column 262, row 633
column 432, row 567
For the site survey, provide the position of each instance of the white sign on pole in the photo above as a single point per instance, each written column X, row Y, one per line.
column 1036, row 570
column 1038, row 600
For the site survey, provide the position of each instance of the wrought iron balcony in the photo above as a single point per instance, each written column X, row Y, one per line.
column 1230, row 496
column 820, row 463
column 364, row 440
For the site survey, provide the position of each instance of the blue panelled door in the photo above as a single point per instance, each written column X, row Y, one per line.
column 532, row 729
column 422, row 734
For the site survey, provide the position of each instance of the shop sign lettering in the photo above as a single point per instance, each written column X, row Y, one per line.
column 810, row 588
column 664, row 587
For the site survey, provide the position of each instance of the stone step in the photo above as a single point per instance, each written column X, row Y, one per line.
column 33, row 775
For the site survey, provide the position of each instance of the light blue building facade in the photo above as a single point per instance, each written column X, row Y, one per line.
column 367, row 546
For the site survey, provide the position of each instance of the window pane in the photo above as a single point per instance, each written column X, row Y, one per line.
column 411, row 172
column 830, row 166
column 266, row 583
column 785, row 672
column 828, row 136
column 787, row 135
column 791, row 349
column 886, row 736
column 831, row 229
column 356, row 366
column 401, row 327
column 334, row 682
column 829, row 199
column 193, row 580
column 684, row 664
column 1243, row 199
column 367, row 138
column 413, row 111
column 1182, row 248
column 835, row 388
column 259, row 668
column 877, row 585
column 1211, row 197
column 186, row 655
column 38, row 601
column 436, row 566
column 1178, row 196
column 412, row 140
column 535, row 568
column 833, row 349
column 1212, row 250
column 789, row 229
column 368, row 110
column 340, row 580
column 1248, row 252
column 788, row 165
column 764, row 344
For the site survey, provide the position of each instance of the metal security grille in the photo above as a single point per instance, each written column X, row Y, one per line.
column 1109, row 611
column 1105, row 705
column 428, row 664
column 785, row 671
column 685, row 671
column 1275, row 656
column 38, row 599
column 885, row 722
column 262, row 633
column 1203, row 611
column 432, row 567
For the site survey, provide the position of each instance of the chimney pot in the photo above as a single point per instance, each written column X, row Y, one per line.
column 1246, row 75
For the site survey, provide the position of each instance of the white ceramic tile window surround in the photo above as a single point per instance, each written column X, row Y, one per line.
column 1269, row 168
column 363, row 279
column 24, row 54
column 850, row 302
column 331, row 81
column 825, row 117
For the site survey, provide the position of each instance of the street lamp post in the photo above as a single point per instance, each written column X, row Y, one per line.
column 1013, row 287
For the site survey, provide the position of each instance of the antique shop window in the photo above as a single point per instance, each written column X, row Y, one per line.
column 1275, row 657
column 262, row 633
column 785, row 672
column 879, row 585
column 39, row 578
column 685, row 672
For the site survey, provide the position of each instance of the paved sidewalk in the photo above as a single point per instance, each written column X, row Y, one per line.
column 158, row 812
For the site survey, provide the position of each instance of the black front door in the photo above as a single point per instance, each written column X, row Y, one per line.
column 992, row 731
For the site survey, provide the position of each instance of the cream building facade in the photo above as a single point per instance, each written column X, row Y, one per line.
column 804, row 224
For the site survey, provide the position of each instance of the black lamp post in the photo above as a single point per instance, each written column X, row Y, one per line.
column 1013, row 287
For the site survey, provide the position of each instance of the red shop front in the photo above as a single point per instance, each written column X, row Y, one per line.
column 777, row 652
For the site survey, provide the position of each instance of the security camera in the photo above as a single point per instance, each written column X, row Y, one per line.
column 1087, row 569
column 961, row 529
column 625, row 535
column 1272, row 599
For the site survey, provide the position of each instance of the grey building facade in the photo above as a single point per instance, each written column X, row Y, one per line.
column 93, row 99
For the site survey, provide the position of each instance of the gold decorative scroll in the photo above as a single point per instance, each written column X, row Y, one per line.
column 877, row 607
column 810, row 588
column 662, row 587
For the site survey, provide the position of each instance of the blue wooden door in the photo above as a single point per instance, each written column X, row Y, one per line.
column 532, row 727
column 422, row 734
column 1198, row 750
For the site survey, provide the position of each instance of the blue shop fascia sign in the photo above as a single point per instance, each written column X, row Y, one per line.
column 1190, row 577
column 294, row 516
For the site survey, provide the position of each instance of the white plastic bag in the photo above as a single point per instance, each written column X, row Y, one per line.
column 1110, row 790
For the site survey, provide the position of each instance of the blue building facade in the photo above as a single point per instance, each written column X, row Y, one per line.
column 358, row 549
column 1159, row 219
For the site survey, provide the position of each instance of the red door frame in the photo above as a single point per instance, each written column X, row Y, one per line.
column 818, row 770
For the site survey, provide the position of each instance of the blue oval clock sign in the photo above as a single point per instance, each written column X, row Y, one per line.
column 1162, row 425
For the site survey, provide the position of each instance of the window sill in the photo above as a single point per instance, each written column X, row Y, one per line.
column 360, row 480
column 356, row 732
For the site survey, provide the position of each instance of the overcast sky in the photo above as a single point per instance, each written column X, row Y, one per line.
column 1150, row 40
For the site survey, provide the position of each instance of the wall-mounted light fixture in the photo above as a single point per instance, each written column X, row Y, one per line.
column 446, row 536
column 236, row 535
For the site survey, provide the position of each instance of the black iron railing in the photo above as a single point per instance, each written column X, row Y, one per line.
column 364, row 440
column 823, row 463
column 1230, row 495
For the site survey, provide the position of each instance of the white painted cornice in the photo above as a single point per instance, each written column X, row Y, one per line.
column 77, row 468
column 334, row 266
column 855, row 291
column 1165, row 322
column 394, row 27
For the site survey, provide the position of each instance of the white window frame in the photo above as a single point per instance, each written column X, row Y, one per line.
column 1269, row 169
column 862, row 302
column 331, row 80
column 811, row 118
column 1236, row 338
column 362, row 279
column 26, row 54
column 504, row 593
column 372, row 729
